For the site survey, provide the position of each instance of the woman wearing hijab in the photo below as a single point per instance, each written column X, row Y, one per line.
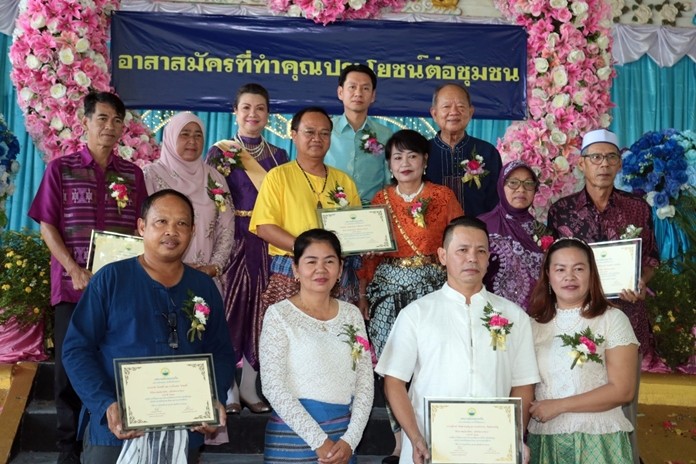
column 180, row 167
column 517, row 240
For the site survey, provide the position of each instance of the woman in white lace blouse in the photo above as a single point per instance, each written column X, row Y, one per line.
column 587, row 353
column 315, row 364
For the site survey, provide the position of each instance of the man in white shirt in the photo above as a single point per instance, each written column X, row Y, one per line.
column 443, row 347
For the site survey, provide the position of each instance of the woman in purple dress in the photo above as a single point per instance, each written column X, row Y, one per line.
column 244, row 161
column 517, row 240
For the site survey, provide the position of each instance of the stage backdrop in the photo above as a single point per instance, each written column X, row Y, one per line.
column 195, row 62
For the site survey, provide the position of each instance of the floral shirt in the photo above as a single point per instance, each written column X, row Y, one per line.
column 577, row 216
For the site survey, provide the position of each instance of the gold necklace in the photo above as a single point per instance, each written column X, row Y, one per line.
column 309, row 182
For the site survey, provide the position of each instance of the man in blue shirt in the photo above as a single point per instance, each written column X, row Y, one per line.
column 357, row 140
column 467, row 165
column 132, row 308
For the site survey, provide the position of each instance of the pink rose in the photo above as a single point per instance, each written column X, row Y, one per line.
column 217, row 191
column 546, row 242
column 363, row 341
column 589, row 344
column 498, row 321
column 201, row 308
column 473, row 165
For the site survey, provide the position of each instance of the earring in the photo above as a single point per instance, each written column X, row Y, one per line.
column 550, row 291
column 392, row 174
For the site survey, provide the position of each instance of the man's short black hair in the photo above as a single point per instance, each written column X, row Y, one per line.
column 297, row 118
column 150, row 200
column 361, row 68
column 108, row 98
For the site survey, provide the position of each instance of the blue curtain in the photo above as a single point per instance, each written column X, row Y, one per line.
column 647, row 97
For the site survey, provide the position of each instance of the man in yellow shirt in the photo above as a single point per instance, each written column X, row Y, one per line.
column 289, row 197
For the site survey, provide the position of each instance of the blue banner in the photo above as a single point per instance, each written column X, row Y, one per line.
column 197, row 62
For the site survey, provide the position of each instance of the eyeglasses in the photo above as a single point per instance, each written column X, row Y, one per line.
column 514, row 184
column 311, row 134
column 173, row 339
column 598, row 158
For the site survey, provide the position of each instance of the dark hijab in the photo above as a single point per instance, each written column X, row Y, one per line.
column 508, row 221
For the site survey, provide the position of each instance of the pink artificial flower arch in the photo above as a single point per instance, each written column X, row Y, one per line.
column 569, row 75
column 58, row 56
column 329, row 11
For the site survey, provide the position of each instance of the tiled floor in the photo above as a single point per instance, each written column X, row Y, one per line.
column 208, row 458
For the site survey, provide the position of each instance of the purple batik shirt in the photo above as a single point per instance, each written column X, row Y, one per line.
column 75, row 198
column 577, row 216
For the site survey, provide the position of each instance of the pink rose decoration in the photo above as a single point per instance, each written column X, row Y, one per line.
column 363, row 341
column 589, row 344
column 546, row 242
column 201, row 308
column 498, row 321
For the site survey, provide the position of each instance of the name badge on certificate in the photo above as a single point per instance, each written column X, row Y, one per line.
column 169, row 392
column 619, row 266
column 360, row 230
column 474, row 430
column 108, row 247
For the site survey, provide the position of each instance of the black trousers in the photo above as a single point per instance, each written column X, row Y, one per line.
column 68, row 404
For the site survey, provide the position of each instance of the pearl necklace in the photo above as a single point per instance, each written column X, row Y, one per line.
column 408, row 197
column 256, row 151
column 568, row 312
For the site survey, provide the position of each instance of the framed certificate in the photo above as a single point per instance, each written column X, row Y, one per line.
column 619, row 265
column 474, row 430
column 166, row 392
column 107, row 247
column 360, row 230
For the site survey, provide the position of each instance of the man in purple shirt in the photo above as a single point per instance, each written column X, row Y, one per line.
column 598, row 213
column 91, row 189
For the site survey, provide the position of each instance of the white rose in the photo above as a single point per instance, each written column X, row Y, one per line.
column 669, row 12
column 65, row 134
column 605, row 120
column 58, row 91
column 579, row 97
column 604, row 73
column 552, row 39
column 576, row 56
column 128, row 118
column 144, row 138
column 52, row 26
column 616, row 7
column 318, row 6
column 642, row 14
column 605, row 23
column 558, row 138
column 14, row 167
column 603, row 42
column 561, row 163
column 82, row 45
column 356, row 4
column 666, row 212
column 65, row 55
column 38, row 21
column 295, row 11
column 32, row 62
column 540, row 94
column 559, row 3
column 125, row 152
column 516, row 146
column 550, row 120
column 578, row 8
column 541, row 65
column 560, row 78
column 82, row 79
column 26, row 94
column 56, row 123
column 650, row 198
column 561, row 100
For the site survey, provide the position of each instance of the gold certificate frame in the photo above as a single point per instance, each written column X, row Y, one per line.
column 360, row 229
column 169, row 392
column 619, row 265
column 474, row 430
column 108, row 247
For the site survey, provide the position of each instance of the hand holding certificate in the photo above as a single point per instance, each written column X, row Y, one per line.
column 166, row 392
column 360, row 230
column 475, row 430
column 619, row 266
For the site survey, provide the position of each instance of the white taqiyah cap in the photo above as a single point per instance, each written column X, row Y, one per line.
column 600, row 135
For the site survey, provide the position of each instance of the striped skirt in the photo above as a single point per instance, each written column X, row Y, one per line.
column 283, row 445
column 580, row 448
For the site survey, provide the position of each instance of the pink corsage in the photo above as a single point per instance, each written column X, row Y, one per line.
column 198, row 312
column 119, row 191
column 474, row 169
column 418, row 209
column 370, row 144
column 358, row 345
column 498, row 326
column 218, row 194
column 583, row 347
